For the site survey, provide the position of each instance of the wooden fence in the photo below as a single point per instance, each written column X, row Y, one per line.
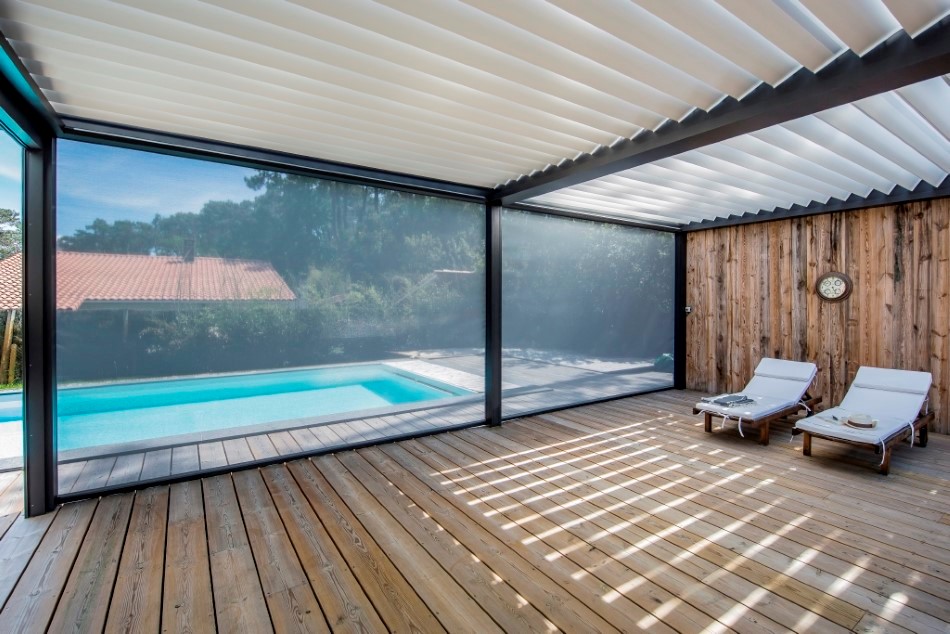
column 752, row 289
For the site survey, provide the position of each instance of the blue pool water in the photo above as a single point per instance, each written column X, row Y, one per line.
column 108, row 414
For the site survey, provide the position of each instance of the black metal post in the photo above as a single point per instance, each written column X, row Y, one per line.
column 679, row 311
column 492, row 314
column 39, row 307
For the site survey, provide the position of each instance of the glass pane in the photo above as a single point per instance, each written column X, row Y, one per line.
column 11, row 291
column 210, row 314
column 587, row 311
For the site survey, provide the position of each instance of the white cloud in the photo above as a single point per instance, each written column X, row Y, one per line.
column 10, row 172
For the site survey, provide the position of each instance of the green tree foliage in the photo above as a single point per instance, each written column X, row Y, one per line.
column 11, row 233
column 594, row 288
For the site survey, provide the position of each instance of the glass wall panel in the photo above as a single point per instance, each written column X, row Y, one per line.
column 587, row 311
column 209, row 314
column 11, row 309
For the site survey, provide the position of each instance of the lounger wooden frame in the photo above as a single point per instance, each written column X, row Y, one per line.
column 807, row 403
column 920, row 428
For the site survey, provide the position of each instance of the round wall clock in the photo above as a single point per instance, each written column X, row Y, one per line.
column 834, row 286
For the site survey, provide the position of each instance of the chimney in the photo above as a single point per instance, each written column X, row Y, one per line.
column 188, row 254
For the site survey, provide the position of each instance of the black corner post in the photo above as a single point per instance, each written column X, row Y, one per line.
column 492, row 313
column 679, row 311
column 29, row 118
column 39, row 307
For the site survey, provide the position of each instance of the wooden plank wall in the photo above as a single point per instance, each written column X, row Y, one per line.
column 752, row 292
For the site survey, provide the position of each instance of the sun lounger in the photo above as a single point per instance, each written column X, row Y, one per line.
column 896, row 400
column 778, row 389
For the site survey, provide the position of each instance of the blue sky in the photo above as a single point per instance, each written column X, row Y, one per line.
column 11, row 170
column 98, row 181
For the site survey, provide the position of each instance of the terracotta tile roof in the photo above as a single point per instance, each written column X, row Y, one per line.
column 11, row 282
column 106, row 277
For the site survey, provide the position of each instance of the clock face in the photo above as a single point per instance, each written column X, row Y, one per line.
column 833, row 286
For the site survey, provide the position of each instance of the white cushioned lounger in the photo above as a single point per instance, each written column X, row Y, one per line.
column 778, row 389
column 894, row 398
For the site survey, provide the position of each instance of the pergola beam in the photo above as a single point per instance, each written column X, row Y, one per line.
column 899, row 61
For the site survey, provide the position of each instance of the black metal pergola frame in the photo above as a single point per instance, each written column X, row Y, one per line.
column 30, row 119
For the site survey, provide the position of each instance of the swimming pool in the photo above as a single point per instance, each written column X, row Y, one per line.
column 128, row 412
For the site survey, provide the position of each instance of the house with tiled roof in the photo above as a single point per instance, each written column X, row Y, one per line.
column 108, row 280
column 11, row 282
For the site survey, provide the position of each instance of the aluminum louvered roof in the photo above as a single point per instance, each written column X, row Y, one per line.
column 900, row 138
column 479, row 92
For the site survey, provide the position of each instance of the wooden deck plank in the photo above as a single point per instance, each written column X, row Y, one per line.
column 344, row 603
column 7, row 479
column 262, row 447
column 238, row 599
column 67, row 473
column 84, row 604
column 11, row 501
column 790, row 508
column 185, row 459
column 349, row 433
column 400, row 424
column 562, row 608
column 787, row 473
column 17, row 548
column 137, row 601
column 560, row 527
column 306, row 440
column 788, row 459
column 726, row 513
column 881, row 541
column 375, row 423
column 488, row 589
column 127, row 469
column 445, row 595
column 187, row 601
column 865, row 595
column 898, row 489
column 293, row 606
column 37, row 591
column 363, row 428
column 6, row 521
column 157, row 464
column 95, row 474
column 284, row 443
column 237, row 451
column 326, row 436
column 414, row 456
column 393, row 598
column 735, row 577
column 211, row 455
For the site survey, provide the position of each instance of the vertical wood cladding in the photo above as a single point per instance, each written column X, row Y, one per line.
column 752, row 289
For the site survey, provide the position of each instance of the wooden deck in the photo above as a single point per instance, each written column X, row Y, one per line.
column 621, row 516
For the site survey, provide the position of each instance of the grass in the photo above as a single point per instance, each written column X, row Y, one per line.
column 18, row 385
